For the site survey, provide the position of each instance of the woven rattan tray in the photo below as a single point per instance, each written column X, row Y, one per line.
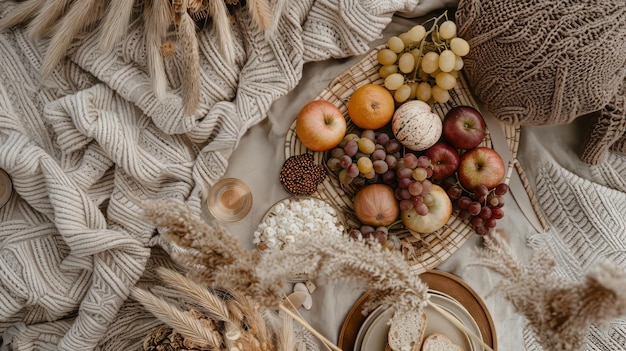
column 423, row 252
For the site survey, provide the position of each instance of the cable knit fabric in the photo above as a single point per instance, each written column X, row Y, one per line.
column 588, row 227
column 545, row 62
column 86, row 146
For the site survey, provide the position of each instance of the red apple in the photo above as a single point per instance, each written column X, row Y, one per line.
column 444, row 158
column 481, row 165
column 320, row 125
column 439, row 212
column 464, row 127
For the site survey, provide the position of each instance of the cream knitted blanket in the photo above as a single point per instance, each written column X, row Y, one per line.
column 86, row 146
column 588, row 226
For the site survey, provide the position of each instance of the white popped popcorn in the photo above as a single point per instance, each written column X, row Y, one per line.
column 293, row 217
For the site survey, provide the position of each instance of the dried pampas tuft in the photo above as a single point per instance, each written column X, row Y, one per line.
column 216, row 259
column 157, row 18
column 560, row 312
column 64, row 20
column 115, row 23
column 23, row 12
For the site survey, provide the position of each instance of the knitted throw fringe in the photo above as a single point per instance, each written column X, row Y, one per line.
column 559, row 312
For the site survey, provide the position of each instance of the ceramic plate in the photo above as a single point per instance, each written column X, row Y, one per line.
column 366, row 324
column 375, row 336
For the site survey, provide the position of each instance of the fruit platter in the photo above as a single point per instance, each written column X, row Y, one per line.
column 408, row 157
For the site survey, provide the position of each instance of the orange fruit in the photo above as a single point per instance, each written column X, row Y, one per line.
column 371, row 106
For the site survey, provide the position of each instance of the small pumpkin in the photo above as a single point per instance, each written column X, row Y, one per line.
column 416, row 126
column 376, row 205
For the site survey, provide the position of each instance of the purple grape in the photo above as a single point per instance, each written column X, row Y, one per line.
column 477, row 221
column 382, row 138
column 497, row 213
column 422, row 209
column 454, row 192
column 393, row 146
column 481, row 190
column 404, row 193
column 490, row 223
column 480, row 230
column 352, row 170
column 392, row 161
column 345, row 161
column 404, row 182
column 485, row 212
column 501, row 189
column 415, row 188
column 406, row 205
column 417, row 200
column 389, row 177
column 474, row 208
column 351, row 148
column 378, row 154
column 337, row 152
column 464, row 215
column 404, row 173
column 423, row 161
column 380, row 166
column 464, row 202
column 426, row 186
column 410, row 161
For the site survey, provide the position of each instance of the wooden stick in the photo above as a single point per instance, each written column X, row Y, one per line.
column 308, row 327
column 452, row 319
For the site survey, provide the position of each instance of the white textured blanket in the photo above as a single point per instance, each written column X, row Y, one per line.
column 588, row 226
column 85, row 147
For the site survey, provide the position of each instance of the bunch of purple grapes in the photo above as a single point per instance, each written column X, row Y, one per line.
column 379, row 235
column 365, row 157
column 414, row 185
column 482, row 208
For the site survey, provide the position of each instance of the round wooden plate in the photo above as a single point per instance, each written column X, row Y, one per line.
column 436, row 280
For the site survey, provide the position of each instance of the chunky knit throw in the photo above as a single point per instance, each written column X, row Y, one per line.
column 87, row 145
column 548, row 62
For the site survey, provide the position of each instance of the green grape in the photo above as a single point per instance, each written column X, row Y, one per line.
column 458, row 63
column 405, row 39
column 447, row 60
column 402, row 93
column 422, row 75
column 434, row 74
column 417, row 33
column 413, row 86
column 423, row 91
column 445, row 80
column 430, row 62
column 459, row 46
column 386, row 70
column 406, row 62
column 416, row 53
column 386, row 57
column 394, row 81
column 344, row 178
column 395, row 44
column 447, row 30
column 440, row 95
column 333, row 164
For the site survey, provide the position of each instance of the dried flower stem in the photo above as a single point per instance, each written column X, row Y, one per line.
column 115, row 23
column 182, row 321
column 308, row 327
column 198, row 294
column 23, row 12
column 157, row 18
column 223, row 31
column 191, row 81
column 48, row 15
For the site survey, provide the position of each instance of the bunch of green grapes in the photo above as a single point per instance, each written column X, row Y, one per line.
column 423, row 64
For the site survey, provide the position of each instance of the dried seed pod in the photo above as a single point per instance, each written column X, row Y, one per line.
column 300, row 175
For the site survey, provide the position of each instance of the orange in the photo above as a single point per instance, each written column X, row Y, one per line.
column 371, row 106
